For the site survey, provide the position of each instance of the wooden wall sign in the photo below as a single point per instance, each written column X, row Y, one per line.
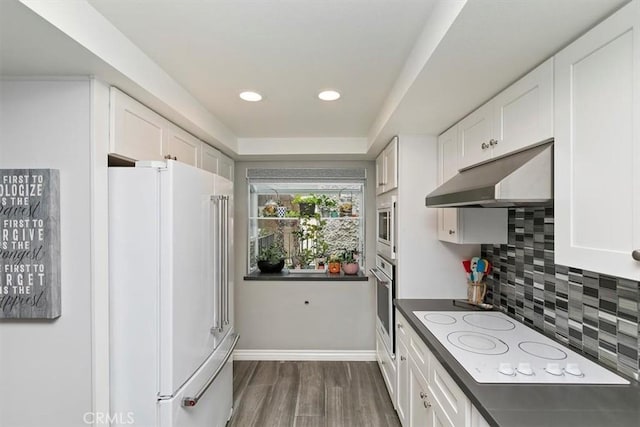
column 29, row 244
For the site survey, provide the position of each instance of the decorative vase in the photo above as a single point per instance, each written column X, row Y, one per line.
column 282, row 211
column 334, row 267
column 350, row 268
column 271, row 267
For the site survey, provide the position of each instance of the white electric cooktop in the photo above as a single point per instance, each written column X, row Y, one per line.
column 494, row 348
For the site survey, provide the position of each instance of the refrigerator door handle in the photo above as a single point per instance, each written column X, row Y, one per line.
column 226, row 260
column 193, row 401
column 217, row 276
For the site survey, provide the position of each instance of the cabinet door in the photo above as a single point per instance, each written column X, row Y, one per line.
column 402, row 398
column 597, row 148
column 210, row 157
column 136, row 133
column 380, row 174
column 420, row 403
column 391, row 165
column 523, row 113
column 477, row 420
column 182, row 146
column 474, row 135
column 225, row 167
column 447, row 168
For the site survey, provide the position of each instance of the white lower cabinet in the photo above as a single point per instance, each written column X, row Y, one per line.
column 402, row 395
column 387, row 367
column 426, row 396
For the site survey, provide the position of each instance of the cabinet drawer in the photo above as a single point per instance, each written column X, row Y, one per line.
column 417, row 348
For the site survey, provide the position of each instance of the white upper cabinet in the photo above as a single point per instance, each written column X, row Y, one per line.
column 518, row 117
column 597, row 148
column 183, row 147
column 387, row 168
column 226, row 167
column 465, row 225
column 210, row 157
column 523, row 113
column 216, row 162
column 137, row 133
column 474, row 135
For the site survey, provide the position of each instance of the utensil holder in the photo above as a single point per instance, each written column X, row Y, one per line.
column 476, row 292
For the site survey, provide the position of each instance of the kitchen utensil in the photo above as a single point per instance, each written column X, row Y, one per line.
column 467, row 265
column 480, row 268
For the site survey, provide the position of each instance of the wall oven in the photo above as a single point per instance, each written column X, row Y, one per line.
column 384, row 275
column 386, row 226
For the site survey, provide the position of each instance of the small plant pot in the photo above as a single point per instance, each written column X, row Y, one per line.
column 350, row 268
column 307, row 209
column 334, row 267
column 270, row 267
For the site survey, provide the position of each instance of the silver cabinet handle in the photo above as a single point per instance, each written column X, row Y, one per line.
column 493, row 142
column 400, row 326
column 193, row 401
column 485, row 146
column 452, row 232
column 402, row 358
column 636, row 254
column 422, row 395
column 427, row 404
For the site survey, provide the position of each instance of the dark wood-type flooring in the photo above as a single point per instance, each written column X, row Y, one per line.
column 305, row 394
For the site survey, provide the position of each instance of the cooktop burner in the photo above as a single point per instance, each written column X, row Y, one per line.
column 494, row 348
column 477, row 342
column 542, row 350
column 488, row 321
column 439, row 318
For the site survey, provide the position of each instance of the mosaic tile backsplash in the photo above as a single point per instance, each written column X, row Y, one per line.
column 591, row 312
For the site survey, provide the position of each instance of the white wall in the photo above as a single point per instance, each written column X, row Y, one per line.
column 45, row 366
column 426, row 267
column 273, row 316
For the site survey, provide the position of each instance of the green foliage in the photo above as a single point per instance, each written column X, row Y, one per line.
column 334, row 258
column 273, row 253
column 349, row 256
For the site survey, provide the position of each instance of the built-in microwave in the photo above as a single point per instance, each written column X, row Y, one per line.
column 386, row 226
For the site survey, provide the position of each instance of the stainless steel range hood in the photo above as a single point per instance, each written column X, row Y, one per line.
column 521, row 179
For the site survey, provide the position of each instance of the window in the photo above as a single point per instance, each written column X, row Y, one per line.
column 310, row 214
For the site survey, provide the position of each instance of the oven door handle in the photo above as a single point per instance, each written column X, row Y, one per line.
column 384, row 282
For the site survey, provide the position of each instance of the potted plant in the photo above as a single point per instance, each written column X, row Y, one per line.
column 326, row 204
column 350, row 262
column 271, row 258
column 307, row 204
column 334, row 264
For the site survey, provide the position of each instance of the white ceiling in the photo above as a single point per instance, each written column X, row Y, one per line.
column 371, row 50
column 286, row 50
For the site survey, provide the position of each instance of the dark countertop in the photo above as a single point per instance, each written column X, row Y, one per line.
column 523, row 405
column 292, row 275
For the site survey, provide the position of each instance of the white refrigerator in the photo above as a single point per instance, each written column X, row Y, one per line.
column 171, row 295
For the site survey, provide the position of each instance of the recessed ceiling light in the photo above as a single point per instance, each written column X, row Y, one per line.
column 329, row 95
column 251, row 96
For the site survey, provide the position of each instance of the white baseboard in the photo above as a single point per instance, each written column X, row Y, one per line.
column 324, row 355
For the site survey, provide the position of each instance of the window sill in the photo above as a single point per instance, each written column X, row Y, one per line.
column 291, row 275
